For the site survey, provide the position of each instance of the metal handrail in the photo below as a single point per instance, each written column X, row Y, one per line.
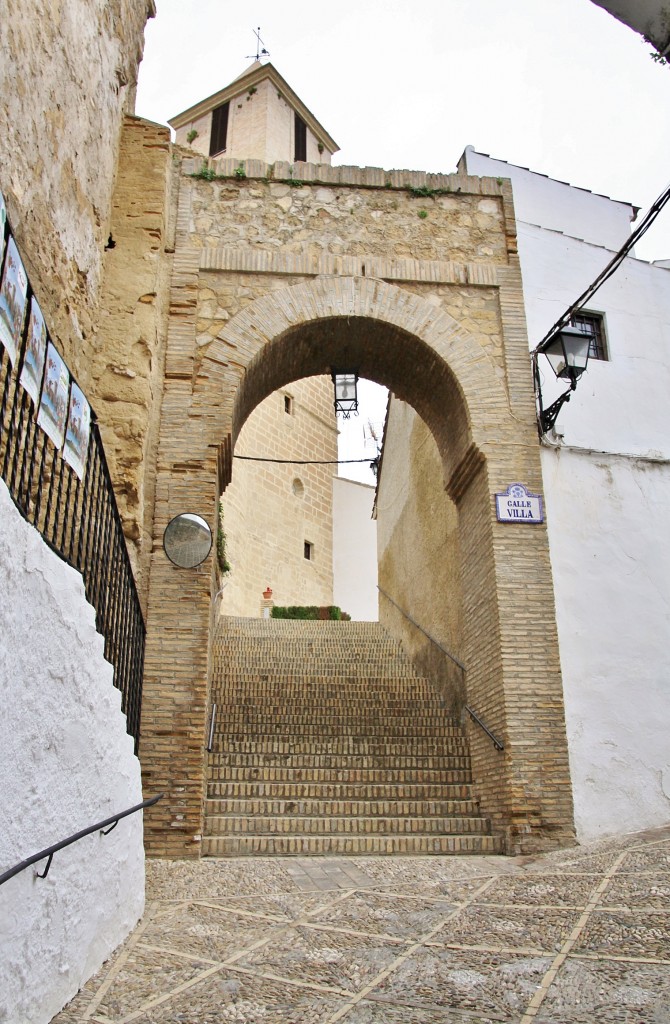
column 431, row 638
column 498, row 744
column 77, row 517
column 100, row 826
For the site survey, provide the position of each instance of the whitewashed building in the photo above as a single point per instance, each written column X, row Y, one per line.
column 606, row 473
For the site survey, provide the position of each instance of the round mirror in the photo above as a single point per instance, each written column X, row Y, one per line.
column 187, row 540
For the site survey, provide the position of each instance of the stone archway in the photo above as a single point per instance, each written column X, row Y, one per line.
column 474, row 392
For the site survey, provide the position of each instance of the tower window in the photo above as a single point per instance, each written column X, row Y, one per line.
column 219, row 134
column 300, row 139
column 288, row 405
column 592, row 324
column 309, row 551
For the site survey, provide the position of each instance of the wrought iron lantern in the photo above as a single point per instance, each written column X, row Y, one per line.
column 346, row 395
column 568, row 355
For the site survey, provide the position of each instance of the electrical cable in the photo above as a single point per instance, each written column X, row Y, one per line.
column 301, row 462
column 616, row 261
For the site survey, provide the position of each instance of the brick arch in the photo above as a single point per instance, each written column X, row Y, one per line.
column 478, row 402
column 392, row 336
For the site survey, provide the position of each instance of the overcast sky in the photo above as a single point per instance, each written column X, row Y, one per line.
column 555, row 85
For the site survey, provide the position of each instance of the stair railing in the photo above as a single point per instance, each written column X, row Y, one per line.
column 498, row 744
column 100, row 826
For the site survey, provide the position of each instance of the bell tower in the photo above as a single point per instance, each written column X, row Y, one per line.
column 256, row 117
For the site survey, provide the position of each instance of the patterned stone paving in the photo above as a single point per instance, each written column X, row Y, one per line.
column 581, row 936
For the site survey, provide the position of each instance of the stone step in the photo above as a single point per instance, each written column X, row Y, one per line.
column 293, row 824
column 338, row 760
column 312, row 807
column 343, row 702
column 455, row 752
column 239, row 729
column 358, row 776
column 349, row 845
column 328, row 741
column 320, row 670
column 283, row 789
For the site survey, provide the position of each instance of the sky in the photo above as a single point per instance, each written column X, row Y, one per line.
column 555, row 85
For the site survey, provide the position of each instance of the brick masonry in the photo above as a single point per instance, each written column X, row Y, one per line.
column 314, row 266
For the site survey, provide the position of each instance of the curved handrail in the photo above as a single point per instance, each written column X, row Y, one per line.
column 100, row 826
column 498, row 744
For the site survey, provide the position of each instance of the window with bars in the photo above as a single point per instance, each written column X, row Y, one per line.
column 300, row 139
column 592, row 324
column 219, row 134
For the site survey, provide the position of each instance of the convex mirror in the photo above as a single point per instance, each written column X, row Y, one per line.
column 187, row 540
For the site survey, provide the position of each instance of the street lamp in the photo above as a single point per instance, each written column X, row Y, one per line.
column 346, row 398
column 568, row 355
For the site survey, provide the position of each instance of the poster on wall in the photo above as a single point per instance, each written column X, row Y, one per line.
column 3, row 221
column 13, row 293
column 36, row 347
column 53, row 406
column 78, row 430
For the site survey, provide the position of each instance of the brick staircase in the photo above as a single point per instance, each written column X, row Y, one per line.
column 328, row 742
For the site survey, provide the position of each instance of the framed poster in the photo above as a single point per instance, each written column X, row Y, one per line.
column 53, row 405
column 13, row 293
column 36, row 347
column 77, row 431
column 3, row 221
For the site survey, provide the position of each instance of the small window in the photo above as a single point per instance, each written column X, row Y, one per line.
column 219, row 133
column 592, row 324
column 309, row 551
column 300, row 139
column 288, row 405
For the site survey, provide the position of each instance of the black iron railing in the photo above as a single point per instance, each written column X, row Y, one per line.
column 104, row 827
column 498, row 744
column 79, row 520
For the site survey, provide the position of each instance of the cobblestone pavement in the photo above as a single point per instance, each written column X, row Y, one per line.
column 580, row 936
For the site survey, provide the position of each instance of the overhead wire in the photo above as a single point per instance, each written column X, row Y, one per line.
column 616, row 261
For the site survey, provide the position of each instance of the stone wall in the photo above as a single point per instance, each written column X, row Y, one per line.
column 271, row 509
column 67, row 75
column 315, row 220
column 275, row 280
column 129, row 358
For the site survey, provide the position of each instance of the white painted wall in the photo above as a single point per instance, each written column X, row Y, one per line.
column 555, row 204
column 607, row 495
column 354, row 550
column 608, row 525
column 65, row 763
column 651, row 18
column 620, row 405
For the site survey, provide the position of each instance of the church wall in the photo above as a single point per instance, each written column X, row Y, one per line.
column 66, row 762
column 271, row 509
column 261, row 126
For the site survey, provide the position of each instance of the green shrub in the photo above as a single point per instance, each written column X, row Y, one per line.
column 309, row 611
